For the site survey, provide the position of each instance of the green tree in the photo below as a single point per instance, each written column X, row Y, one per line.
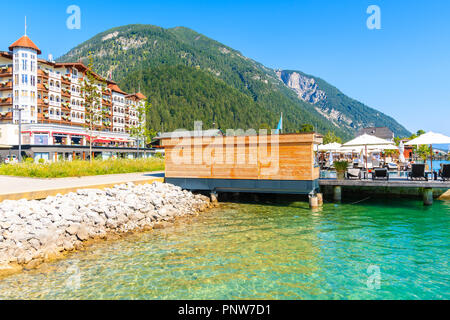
column 93, row 109
column 331, row 137
column 306, row 127
column 423, row 151
column 141, row 131
column 420, row 132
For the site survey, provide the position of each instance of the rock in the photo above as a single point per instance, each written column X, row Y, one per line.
column 30, row 230
column 35, row 243
column 82, row 233
column 72, row 229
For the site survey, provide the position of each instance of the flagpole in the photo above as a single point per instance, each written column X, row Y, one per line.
column 281, row 129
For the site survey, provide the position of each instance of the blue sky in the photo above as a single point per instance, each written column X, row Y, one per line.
column 402, row 69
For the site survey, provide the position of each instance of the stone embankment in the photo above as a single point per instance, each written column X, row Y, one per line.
column 39, row 230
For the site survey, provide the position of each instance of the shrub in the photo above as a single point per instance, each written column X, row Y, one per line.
column 341, row 166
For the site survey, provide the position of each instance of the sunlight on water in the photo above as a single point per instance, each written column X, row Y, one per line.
column 271, row 251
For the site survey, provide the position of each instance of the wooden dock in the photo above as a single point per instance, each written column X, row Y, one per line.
column 429, row 189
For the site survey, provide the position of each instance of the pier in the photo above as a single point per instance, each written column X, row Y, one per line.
column 428, row 189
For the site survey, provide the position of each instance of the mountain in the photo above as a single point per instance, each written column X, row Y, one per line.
column 338, row 108
column 135, row 53
column 181, row 95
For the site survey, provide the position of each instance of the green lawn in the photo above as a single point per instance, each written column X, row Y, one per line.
column 79, row 168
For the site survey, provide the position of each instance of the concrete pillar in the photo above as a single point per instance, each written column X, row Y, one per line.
column 319, row 199
column 428, row 196
column 337, row 193
column 214, row 197
column 313, row 201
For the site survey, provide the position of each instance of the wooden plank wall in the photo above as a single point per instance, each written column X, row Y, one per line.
column 271, row 157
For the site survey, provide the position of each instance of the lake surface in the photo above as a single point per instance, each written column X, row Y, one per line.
column 396, row 249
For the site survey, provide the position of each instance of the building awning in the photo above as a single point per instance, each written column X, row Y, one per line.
column 4, row 146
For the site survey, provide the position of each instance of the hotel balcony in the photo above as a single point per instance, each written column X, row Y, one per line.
column 65, row 93
column 6, row 71
column 65, row 79
column 5, row 101
column 6, row 85
column 42, row 73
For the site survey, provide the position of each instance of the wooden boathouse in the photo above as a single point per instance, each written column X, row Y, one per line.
column 274, row 163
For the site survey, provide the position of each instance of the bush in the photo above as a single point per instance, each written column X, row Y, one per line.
column 41, row 160
column 341, row 166
column 29, row 160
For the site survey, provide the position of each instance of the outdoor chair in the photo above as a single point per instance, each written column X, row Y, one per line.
column 353, row 173
column 380, row 173
column 444, row 173
column 417, row 172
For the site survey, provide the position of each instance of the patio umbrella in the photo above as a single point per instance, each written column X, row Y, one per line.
column 329, row 147
column 330, row 160
column 367, row 141
column 401, row 149
column 429, row 138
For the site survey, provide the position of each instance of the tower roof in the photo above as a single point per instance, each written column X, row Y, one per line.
column 25, row 42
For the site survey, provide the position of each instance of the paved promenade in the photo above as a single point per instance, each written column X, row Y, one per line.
column 15, row 188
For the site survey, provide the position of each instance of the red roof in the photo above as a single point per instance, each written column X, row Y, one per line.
column 25, row 42
column 136, row 96
column 141, row 96
column 115, row 88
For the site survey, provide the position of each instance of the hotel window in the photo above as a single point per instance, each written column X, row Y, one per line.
column 16, row 79
column 24, row 79
column 32, row 95
column 16, row 64
column 24, row 55
column 33, row 80
column 32, row 65
column 16, row 94
column 24, row 93
column 24, row 65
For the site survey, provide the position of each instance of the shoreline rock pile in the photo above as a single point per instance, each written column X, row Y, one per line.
column 38, row 230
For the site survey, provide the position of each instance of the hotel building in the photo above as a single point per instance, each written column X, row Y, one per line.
column 52, row 112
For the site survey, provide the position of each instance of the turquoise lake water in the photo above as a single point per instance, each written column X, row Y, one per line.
column 393, row 249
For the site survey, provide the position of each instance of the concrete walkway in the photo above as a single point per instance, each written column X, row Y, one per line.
column 15, row 188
